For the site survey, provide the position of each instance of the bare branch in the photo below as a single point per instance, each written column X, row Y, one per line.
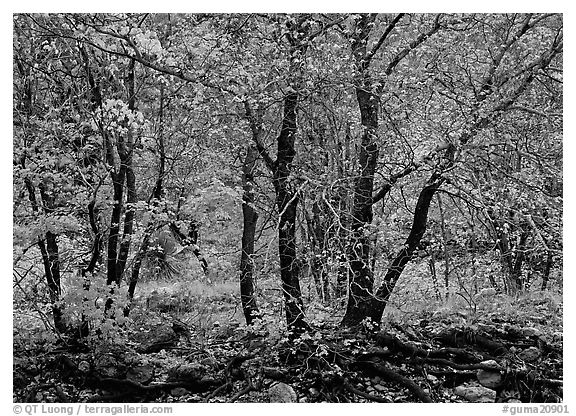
column 413, row 45
column 377, row 46
column 256, row 127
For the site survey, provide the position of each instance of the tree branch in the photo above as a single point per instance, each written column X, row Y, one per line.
column 377, row 46
column 256, row 127
column 413, row 45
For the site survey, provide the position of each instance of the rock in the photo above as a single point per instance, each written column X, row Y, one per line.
column 432, row 379
column 179, row 391
column 209, row 362
column 530, row 354
column 489, row 378
column 476, row 394
column 530, row 331
column 380, row 388
column 487, row 292
column 163, row 301
column 303, row 400
column 161, row 337
column 187, row 372
column 142, row 374
column 492, row 363
column 281, row 393
column 110, row 366
column 313, row 392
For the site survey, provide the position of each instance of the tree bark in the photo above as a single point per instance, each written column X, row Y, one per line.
column 547, row 267
column 156, row 196
column 131, row 196
column 128, row 220
column 113, row 235
column 250, row 219
column 287, row 202
column 361, row 278
column 412, row 242
column 375, row 309
column 286, row 195
column 51, row 258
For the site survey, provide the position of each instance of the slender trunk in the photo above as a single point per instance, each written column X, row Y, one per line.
column 316, row 236
column 128, row 220
column 135, row 276
column 155, row 197
column 52, row 283
column 446, row 248
column 250, row 218
column 344, row 225
column 546, row 274
column 432, row 265
column 376, row 309
column 50, row 255
column 516, row 279
column 97, row 243
column 320, row 233
column 289, row 270
column 49, row 247
column 281, row 168
column 127, row 155
column 190, row 239
column 113, row 236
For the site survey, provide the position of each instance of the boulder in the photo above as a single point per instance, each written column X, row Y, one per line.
column 530, row 331
column 142, row 373
column 179, row 391
column 476, row 394
column 282, row 393
column 491, row 378
column 159, row 338
column 380, row 388
column 110, row 366
column 530, row 354
column 187, row 372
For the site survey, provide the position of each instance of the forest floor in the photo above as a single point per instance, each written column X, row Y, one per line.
column 186, row 342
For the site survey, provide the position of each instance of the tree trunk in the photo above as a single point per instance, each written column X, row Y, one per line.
column 361, row 278
column 250, row 217
column 50, row 256
column 516, row 279
column 97, row 242
column 546, row 274
column 127, row 159
column 446, row 249
column 128, row 220
column 375, row 309
column 118, row 195
column 287, row 202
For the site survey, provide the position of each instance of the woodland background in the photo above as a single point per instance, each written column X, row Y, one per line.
column 272, row 207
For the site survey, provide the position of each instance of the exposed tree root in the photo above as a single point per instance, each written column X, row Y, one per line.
column 456, row 366
column 372, row 368
column 365, row 395
column 391, row 342
column 460, row 338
